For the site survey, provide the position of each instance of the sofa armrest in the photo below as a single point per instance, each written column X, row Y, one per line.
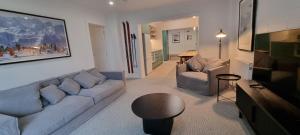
column 181, row 68
column 9, row 125
column 213, row 82
column 114, row 75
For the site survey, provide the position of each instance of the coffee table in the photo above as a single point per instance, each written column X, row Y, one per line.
column 157, row 111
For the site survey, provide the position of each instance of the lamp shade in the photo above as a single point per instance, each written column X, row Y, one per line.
column 221, row 34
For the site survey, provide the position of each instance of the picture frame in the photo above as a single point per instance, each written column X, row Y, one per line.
column 189, row 37
column 247, row 21
column 176, row 37
column 28, row 37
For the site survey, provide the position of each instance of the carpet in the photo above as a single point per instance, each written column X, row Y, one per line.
column 202, row 115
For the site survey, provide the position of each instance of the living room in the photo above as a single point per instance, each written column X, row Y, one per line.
column 107, row 99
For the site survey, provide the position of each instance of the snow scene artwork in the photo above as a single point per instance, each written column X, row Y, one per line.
column 26, row 37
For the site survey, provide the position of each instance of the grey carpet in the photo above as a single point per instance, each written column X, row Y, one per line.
column 202, row 116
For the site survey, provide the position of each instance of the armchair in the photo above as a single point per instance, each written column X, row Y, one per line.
column 205, row 83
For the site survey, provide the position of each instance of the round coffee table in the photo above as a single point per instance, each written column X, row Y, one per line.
column 157, row 111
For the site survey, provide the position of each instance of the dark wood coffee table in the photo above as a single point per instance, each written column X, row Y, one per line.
column 157, row 111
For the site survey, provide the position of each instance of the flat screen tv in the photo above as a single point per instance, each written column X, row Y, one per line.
column 277, row 63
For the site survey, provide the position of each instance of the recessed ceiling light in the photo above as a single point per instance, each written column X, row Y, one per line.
column 111, row 2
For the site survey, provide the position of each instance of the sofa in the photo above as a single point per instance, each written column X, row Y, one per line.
column 61, row 118
column 202, row 76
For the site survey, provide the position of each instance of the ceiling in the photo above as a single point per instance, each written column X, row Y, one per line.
column 126, row 5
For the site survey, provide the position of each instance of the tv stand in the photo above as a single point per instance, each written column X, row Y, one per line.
column 267, row 113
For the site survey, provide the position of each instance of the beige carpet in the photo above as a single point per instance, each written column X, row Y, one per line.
column 202, row 116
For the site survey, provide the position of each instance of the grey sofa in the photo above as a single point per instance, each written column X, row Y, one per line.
column 67, row 115
column 204, row 83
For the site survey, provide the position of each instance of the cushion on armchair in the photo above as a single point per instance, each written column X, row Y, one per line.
column 196, row 63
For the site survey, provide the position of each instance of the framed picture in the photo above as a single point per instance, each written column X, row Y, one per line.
column 247, row 15
column 27, row 37
column 176, row 37
column 189, row 37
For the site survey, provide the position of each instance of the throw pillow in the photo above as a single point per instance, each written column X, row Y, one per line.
column 45, row 102
column 70, row 86
column 21, row 101
column 194, row 64
column 53, row 81
column 86, row 80
column 70, row 76
column 96, row 73
column 9, row 125
column 52, row 94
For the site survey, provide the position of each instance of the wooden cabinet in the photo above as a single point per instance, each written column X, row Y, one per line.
column 157, row 58
column 267, row 113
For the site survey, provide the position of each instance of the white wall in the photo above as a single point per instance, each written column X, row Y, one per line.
column 77, row 19
column 213, row 15
column 181, row 23
column 157, row 42
column 272, row 15
column 184, row 45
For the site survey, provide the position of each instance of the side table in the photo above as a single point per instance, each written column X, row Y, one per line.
column 225, row 77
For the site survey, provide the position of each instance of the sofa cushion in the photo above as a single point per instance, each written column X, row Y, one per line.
column 21, row 101
column 52, row 94
column 45, row 102
column 196, row 75
column 101, row 91
column 48, row 82
column 70, row 76
column 55, row 116
column 86, row 80
column 96, row 73
column 9, row 125
column 70, row 86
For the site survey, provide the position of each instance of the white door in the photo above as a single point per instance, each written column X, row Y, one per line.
column 97, row 36
column 148, row 53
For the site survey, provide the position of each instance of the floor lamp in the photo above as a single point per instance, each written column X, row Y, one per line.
column 220, row 35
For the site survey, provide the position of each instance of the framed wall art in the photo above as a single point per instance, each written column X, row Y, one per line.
column 176, row 37
column 189, row 37
column 246, row 32
column 27, row 37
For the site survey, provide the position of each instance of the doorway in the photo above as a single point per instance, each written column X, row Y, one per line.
column 166, row 40
column 97, row 37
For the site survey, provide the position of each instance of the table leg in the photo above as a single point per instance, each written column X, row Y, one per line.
column 158, row 127
column 240, row 115
column 218, row 90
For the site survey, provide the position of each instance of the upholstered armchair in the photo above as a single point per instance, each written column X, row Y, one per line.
column 203, row 82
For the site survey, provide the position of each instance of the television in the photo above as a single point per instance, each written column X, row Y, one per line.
column 277, row 63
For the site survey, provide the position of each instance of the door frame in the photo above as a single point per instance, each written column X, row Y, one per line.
column 89, row 24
